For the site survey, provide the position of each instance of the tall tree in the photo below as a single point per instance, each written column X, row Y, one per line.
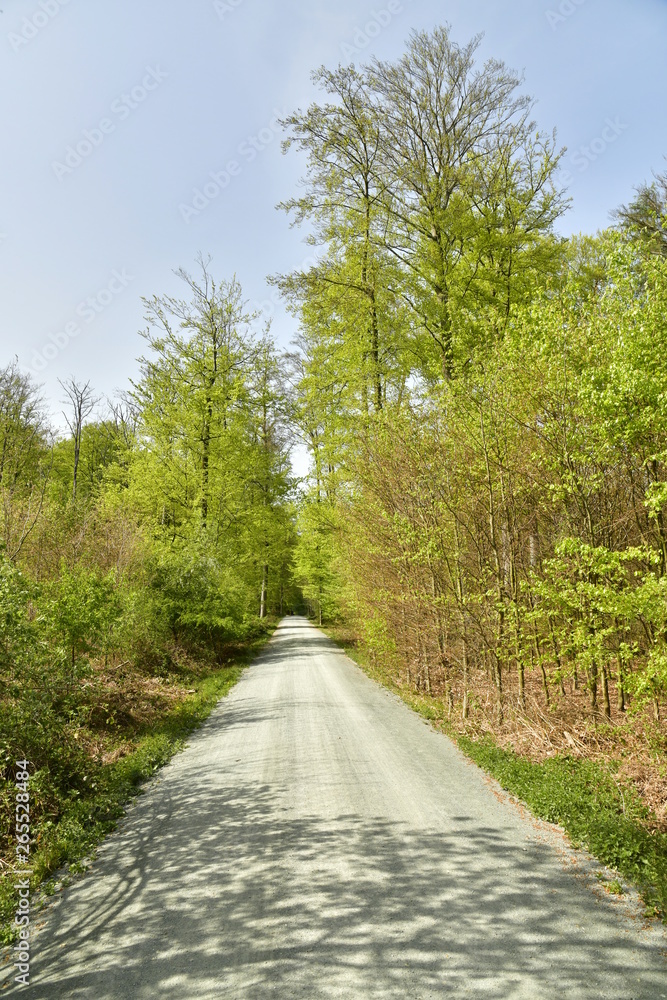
column 82, row 402
column 344, row 205
column 472, row 191
column 24, row 457
column 190, row 389
column 645, row 216
column 212, row 475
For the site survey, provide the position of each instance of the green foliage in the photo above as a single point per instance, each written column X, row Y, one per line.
column 79, row 611
column 201, row 601
column 583, row 797
column 514, row 511
column 433, row 197
column 485, row 409
column 645, row 218
column 211, row 480
column 135, row 555
column 377, row 637
column 315, row 557
column 17, row 637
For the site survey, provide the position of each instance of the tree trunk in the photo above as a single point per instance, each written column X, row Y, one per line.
column 498, row 678
column 77, row 452
column 605, row 692
column 465, row 705
column 545, row 684
column 262, row 600
column 593, row 687
column 620, row 690
column 206, row 440
column 427, row 672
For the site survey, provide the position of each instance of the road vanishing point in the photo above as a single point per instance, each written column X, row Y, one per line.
column 317, row 839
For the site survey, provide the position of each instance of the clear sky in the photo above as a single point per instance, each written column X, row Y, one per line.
column 115, row 111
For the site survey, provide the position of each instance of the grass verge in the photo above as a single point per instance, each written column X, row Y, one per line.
column 597, row 813
column 86, row 818
column 584, row 797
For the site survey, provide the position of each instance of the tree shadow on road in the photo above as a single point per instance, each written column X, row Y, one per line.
column 219, row 892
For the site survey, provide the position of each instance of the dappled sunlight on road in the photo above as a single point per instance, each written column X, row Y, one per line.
column 228, row 880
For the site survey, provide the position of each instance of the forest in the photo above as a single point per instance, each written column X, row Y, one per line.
column 485, row 407
column 144, row 552
column 484, row 400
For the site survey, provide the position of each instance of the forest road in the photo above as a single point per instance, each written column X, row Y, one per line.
column 316, row 840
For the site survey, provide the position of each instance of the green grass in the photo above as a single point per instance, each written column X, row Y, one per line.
column 583, row 797
column 580, row 795
column 86, row 818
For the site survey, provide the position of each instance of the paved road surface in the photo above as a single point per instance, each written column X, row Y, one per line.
column 318, row 840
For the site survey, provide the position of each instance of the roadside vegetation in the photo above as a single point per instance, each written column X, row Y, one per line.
column 145, row 554
column 76, row 810
column 485, row 407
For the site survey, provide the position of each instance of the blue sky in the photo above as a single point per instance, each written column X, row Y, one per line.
column 159, row 95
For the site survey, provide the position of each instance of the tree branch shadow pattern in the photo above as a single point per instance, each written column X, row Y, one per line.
column 217, row 888
column 253, row 906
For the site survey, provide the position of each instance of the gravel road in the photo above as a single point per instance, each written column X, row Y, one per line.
column 318, row 840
